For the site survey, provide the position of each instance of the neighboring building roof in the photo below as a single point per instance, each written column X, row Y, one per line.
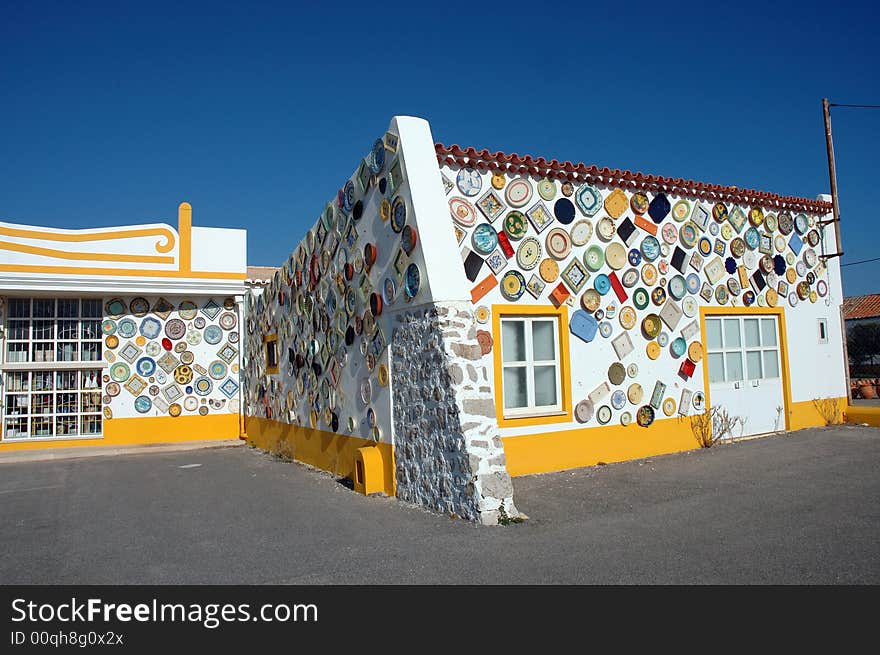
column 861, row 306
column 484, row 160
column 260, row 275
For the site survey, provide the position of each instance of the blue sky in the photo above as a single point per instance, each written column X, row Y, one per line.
column 257, row 112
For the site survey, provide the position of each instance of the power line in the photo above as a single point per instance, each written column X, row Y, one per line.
column 864, row 261
column 834, row 104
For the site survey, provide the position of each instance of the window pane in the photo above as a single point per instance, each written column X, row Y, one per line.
column 543, row 340
column 750, row 327
column 731, row 333
column 44, row 330
column 513, row 341
column 713, row 333
column 545, row 386
column 19, row 307
column 67, row 352
column 768, row 332
column 66, row 329
column 91, row 308
column 771, row 364
column 515, row 387
column 44, row 308
column 90, row 330
column 753, row 364
column 18, row 330
column 68, row 307
column 734, row 364
column 716, row 365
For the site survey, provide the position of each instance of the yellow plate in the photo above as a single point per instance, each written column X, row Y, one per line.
column 498, row 180
column 649, row 274
column 653, row 349
column 616, row 203
column 695, row 351
column 669, row 406
column 627, row 318
column 174, row 409
column 383, row 375
column 112, row 341
column 591, row 300
column 772, row 297
column 549, row 270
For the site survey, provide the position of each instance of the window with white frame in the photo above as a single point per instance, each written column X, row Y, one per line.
column 742, row 348
column 52, row 368
column 530, row 367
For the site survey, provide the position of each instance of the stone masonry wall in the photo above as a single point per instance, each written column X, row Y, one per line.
column 448, row 450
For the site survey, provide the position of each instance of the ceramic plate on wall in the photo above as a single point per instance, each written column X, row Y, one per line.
column 518, row 192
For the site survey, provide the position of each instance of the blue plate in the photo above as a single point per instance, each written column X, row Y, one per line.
column 635, row 257
column 484, row 239
column 650, row 248
column 602, row 284
column 583, row 325
column 693, row 283
column 412, row 281
column 377, row 156
column 752, row 238
column 564, row 211
column 145, row 366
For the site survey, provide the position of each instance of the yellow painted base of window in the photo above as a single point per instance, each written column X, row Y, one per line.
column 566, row 449
column 334, row 453
column 144, row 430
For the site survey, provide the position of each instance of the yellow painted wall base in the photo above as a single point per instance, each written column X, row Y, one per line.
column 812, row 413
column 863, row 414
column 334, row 453
column 146, row 430
column 557, row 451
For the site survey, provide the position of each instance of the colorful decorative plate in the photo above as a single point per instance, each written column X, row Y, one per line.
column 677, row 287
column 127, row 328
column 564, row 211
column 669, row 233
column 203, row 386
column 528, row 254
column 583, row 411
column 145, row 366
column 558, row 243
column 634, row 393
column 581, row 232
column 645, row 415
column 412, row 281
column 175, row 328
column 615, row 256
column 641, row 298
column 688, row 234
column 513, row 284
column 389, row 291
column 650, row 248
column 604, row 414
column 217, row 369
column 651, row 326
column 462, row 212
column 398, row 214
column 681, row 210
column 627, row 317
column 630, row 278
column 594, row 257
column 213, row 334
column 484, row 239
column 139, row 306
column 591, row 300
column 515, row 225
column 618, row 399
column 771, row 223
column 589, row 199
column 518, row 192
column 801, row 225
column 752, row 238
column 689, row 306
column 469, row 181
column 119, row 372
column 408, row 239
column 549, row 270
column 482, row 314
column 639, row 202
column 143, row 404
column 679, row 346
column 649, row 274
column 605, row 229
column 786, row 223
column 547, row 189
column 187, row 310
column 111, row 341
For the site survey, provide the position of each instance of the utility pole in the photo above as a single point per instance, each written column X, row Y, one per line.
column 832, row 174
column 835, row 209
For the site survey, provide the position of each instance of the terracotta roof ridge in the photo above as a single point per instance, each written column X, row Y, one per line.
column 455, row 155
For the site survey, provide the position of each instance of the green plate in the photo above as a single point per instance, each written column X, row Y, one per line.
column 640, row 298
column 594, row 258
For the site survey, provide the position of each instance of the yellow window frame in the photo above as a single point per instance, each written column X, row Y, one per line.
column 531, row 311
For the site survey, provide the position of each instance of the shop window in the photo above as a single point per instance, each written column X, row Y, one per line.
column 742, row 348
column 46, row 392
column 271, row 344
column 531, row 366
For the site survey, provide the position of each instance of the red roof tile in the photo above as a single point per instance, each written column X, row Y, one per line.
column 861, row 306
column 484, row 160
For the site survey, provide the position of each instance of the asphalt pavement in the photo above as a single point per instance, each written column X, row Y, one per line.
column 789, row 509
